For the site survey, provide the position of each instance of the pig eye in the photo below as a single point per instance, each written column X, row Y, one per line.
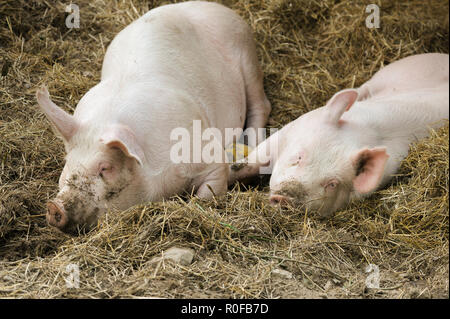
column 104, row 168
column 331, row 184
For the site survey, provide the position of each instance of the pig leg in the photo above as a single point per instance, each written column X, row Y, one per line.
column 242, row 170
column 258, row 106
column 215, row 180
column 260, row 161
column 363, row 92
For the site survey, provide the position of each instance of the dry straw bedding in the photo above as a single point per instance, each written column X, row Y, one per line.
column 308, row 50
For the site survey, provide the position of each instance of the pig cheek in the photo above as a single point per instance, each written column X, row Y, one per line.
column 342, row 198
column 92, row 217
column 62, row 177
column 325, row 206
column 112, row 193
column 326, row 209
column 333, row 203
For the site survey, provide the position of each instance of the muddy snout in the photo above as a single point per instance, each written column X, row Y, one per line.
column 56, row 215
column 277, row 199
column 72, row 215
column 290, row 192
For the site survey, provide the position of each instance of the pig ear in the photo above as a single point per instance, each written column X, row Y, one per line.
column 369, row 166
column 122, row 137
column 341, row 102
column 64, row 123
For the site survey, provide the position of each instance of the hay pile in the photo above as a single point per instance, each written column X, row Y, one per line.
column 309, row 50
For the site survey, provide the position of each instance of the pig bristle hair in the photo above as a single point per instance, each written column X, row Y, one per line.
column 309, row 50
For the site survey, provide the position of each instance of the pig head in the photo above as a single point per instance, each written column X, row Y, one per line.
column 322, row 164
column 101, row 170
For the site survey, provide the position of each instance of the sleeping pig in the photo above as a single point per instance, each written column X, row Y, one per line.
column 353, row 145
column 179, row 63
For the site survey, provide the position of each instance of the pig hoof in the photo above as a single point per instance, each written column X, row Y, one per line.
column 237, row 166
column 42, row 93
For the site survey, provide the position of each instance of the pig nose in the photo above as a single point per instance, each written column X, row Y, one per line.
column 277, row 199
column 56, row 216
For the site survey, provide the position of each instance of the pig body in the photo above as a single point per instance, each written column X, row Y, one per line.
column 176, row 64
column 355, row 143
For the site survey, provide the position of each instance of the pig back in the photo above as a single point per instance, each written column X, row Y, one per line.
column 412, row 73
column 184, row 48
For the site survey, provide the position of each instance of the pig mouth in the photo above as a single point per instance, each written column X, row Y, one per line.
column 79, row 227
column 317, row 205
column 80, row 220
column 75, row 229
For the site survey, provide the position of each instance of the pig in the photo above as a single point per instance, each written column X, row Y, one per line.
column 175, row 64
column 352, row 146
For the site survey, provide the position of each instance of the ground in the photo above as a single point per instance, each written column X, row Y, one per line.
column 308, row 50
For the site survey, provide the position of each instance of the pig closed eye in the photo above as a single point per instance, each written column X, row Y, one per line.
column 104, row 170
column 297, row 162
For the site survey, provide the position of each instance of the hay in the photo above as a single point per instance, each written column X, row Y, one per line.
column 308, row 50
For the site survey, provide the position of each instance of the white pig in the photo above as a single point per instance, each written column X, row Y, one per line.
column 177, row 63
column 355, row 143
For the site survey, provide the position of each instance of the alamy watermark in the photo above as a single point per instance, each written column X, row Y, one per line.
column 73, row 19
column 208, row 145
column 373, row 19
column 373, row 279
column 72, row 277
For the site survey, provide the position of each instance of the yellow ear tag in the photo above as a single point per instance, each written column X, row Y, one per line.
column 236, row 152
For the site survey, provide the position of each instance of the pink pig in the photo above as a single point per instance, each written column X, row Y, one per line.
column 355, row 143
column 177, row 63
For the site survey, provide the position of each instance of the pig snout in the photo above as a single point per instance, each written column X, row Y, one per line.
column 277, row 199
column 63, row 216
column 287, row 192
column 56, row 215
